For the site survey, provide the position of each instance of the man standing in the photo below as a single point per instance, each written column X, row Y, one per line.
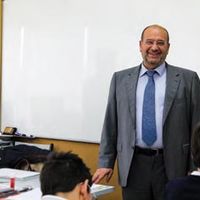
column 151, row 112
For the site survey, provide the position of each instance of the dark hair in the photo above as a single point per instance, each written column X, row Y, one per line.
column 196, row 145
column 62, row 172
column 155, row 26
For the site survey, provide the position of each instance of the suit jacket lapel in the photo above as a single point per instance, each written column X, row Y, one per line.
column 131, row 90
column 172, row 83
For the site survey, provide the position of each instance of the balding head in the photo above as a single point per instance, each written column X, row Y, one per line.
column 155, row 26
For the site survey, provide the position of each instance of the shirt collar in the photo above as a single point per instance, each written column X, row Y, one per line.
column 160, row 69
column 196, row 173
column 52, row 197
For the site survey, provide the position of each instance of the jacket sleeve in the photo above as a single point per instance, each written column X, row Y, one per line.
column 195, row 108
column 107, row 152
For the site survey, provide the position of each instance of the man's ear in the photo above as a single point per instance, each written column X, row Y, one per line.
column 84, row 190
column 140, row 43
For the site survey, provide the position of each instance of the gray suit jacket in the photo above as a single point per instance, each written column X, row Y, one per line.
column 181, row 113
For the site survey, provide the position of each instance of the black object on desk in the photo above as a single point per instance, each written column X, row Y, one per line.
column 9, row 191
column 12, row 132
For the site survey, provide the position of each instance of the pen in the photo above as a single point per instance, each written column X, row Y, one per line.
column 25, row 189
column 4, row 190
column 8, row 193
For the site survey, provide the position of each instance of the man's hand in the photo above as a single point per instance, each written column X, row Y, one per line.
column 102, row 173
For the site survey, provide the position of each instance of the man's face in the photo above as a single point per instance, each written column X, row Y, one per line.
column 154, row 47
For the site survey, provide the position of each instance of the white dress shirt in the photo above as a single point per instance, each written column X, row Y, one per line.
column 52, row 197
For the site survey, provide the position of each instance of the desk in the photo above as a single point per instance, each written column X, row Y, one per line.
column 35, row 194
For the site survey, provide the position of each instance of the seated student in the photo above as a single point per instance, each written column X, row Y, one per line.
column 187, row 188
column 65, row 176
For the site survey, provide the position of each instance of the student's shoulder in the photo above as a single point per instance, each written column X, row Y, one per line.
column 177, row 184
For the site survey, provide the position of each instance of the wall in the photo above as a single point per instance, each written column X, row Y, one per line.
column 58, row 58
column 117, row 40
column 0, row 53
column 88, row 151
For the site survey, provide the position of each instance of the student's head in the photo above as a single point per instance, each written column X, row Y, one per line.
column 196, row 146
column 65, row 175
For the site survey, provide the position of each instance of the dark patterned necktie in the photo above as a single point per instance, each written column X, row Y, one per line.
column 149, row 135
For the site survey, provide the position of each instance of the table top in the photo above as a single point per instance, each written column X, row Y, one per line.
column 35, row 193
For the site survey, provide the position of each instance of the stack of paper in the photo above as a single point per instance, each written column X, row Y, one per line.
column 99, row 189
column 7, row 173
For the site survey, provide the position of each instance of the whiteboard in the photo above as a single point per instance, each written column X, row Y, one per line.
column 59, row 56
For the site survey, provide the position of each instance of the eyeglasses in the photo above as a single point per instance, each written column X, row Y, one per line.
column 158, row 42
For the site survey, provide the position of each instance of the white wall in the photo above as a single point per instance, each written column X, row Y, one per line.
column 59, row 56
